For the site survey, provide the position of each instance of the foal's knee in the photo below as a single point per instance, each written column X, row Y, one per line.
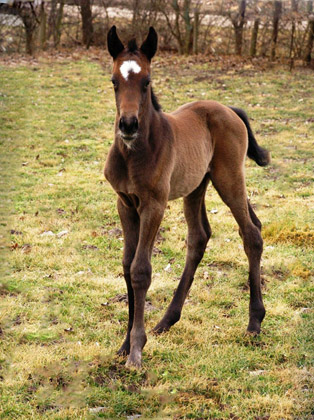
column 197, row 245
column 253, row 241
column 141, row 272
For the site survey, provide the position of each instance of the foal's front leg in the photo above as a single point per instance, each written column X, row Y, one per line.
column 130, row 222
column 151, row 214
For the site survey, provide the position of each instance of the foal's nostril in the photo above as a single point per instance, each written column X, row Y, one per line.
column 128, row 125
column 135, row 124
column 121, row 124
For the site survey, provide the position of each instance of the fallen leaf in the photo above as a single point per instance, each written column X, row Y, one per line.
column 26, row 248
column 168, row 268
column 150, row 307
column 15, row 232
column 62, row 233
column 70, row 329
column 121, row 297
column 47, row 233
column 156, row 251
column 92, row 247
column 115, row 232
column 97, row 409
column 257, row 372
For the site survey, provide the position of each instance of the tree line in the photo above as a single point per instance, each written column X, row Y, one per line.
column 273, row 29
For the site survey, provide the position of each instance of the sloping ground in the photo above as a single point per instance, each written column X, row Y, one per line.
column 63, row 310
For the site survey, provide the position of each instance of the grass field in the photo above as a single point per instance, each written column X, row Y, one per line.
column 63, row 309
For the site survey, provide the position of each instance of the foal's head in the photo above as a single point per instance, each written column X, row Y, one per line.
column 131, row 81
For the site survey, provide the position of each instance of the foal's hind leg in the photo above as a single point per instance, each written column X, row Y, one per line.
column 231, row 187
column 254, row 218
column 199, row 233
column 130, row 225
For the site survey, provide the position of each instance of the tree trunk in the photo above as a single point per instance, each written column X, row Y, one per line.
column 188, row 26
column 42, row 27
column 276, row 18
column 136, row 4
column 176, row 9
column 238, row 23
column 254, row 37
column 29, row 20
column 238, row 32
column 29, row 32
column 52, row 18
column 27, row 13
column 310, row 41
column 294, row 10
column 195, row 31
column 57, row 31
column 87, row 24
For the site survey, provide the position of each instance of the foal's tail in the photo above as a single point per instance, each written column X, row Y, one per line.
column 257, row 153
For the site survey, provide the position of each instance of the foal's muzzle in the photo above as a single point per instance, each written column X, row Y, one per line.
column 128, row 128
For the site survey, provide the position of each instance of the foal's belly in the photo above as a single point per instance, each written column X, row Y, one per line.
column 192, row 157
column 183, row 186
column 192, row 161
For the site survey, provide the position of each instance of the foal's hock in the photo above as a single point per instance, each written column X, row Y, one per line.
column 158, row 157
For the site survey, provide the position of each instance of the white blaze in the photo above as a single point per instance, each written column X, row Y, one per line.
column 127, row 66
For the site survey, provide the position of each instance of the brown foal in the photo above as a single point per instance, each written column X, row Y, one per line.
column 158, row 157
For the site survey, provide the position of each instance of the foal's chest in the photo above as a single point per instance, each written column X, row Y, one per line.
column 119, row 173
column 116, row 171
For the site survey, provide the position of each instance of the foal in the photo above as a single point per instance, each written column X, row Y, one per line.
column 158, row 157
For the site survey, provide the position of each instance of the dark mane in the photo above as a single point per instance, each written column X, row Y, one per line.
column 155, row 102
column 132, row 46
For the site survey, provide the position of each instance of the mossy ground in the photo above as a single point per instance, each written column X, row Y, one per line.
column 61, row 320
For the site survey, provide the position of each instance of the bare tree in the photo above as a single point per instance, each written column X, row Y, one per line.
column 238, row 20
column 196, row 23
column 136, row 12
column 87, row 22
column 276, row 18
column 294, row 11
column 310, row 31
column 55, row 21
column 28, row 13
column 183, row 23
column 42, row 26
column 254, row 37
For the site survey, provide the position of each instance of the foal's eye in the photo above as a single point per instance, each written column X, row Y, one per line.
column 146, row 84
column 115, row 84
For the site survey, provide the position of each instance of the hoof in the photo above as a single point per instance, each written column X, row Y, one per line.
column 252, row 333
column 254, row 327
column 161, row 328
column 124, row 350
column 165, row 324
column 134, row 361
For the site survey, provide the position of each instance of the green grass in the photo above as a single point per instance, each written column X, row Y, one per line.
column 60, row 321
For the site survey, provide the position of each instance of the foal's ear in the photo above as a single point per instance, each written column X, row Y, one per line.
column 115, row 46
column 149, row 46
